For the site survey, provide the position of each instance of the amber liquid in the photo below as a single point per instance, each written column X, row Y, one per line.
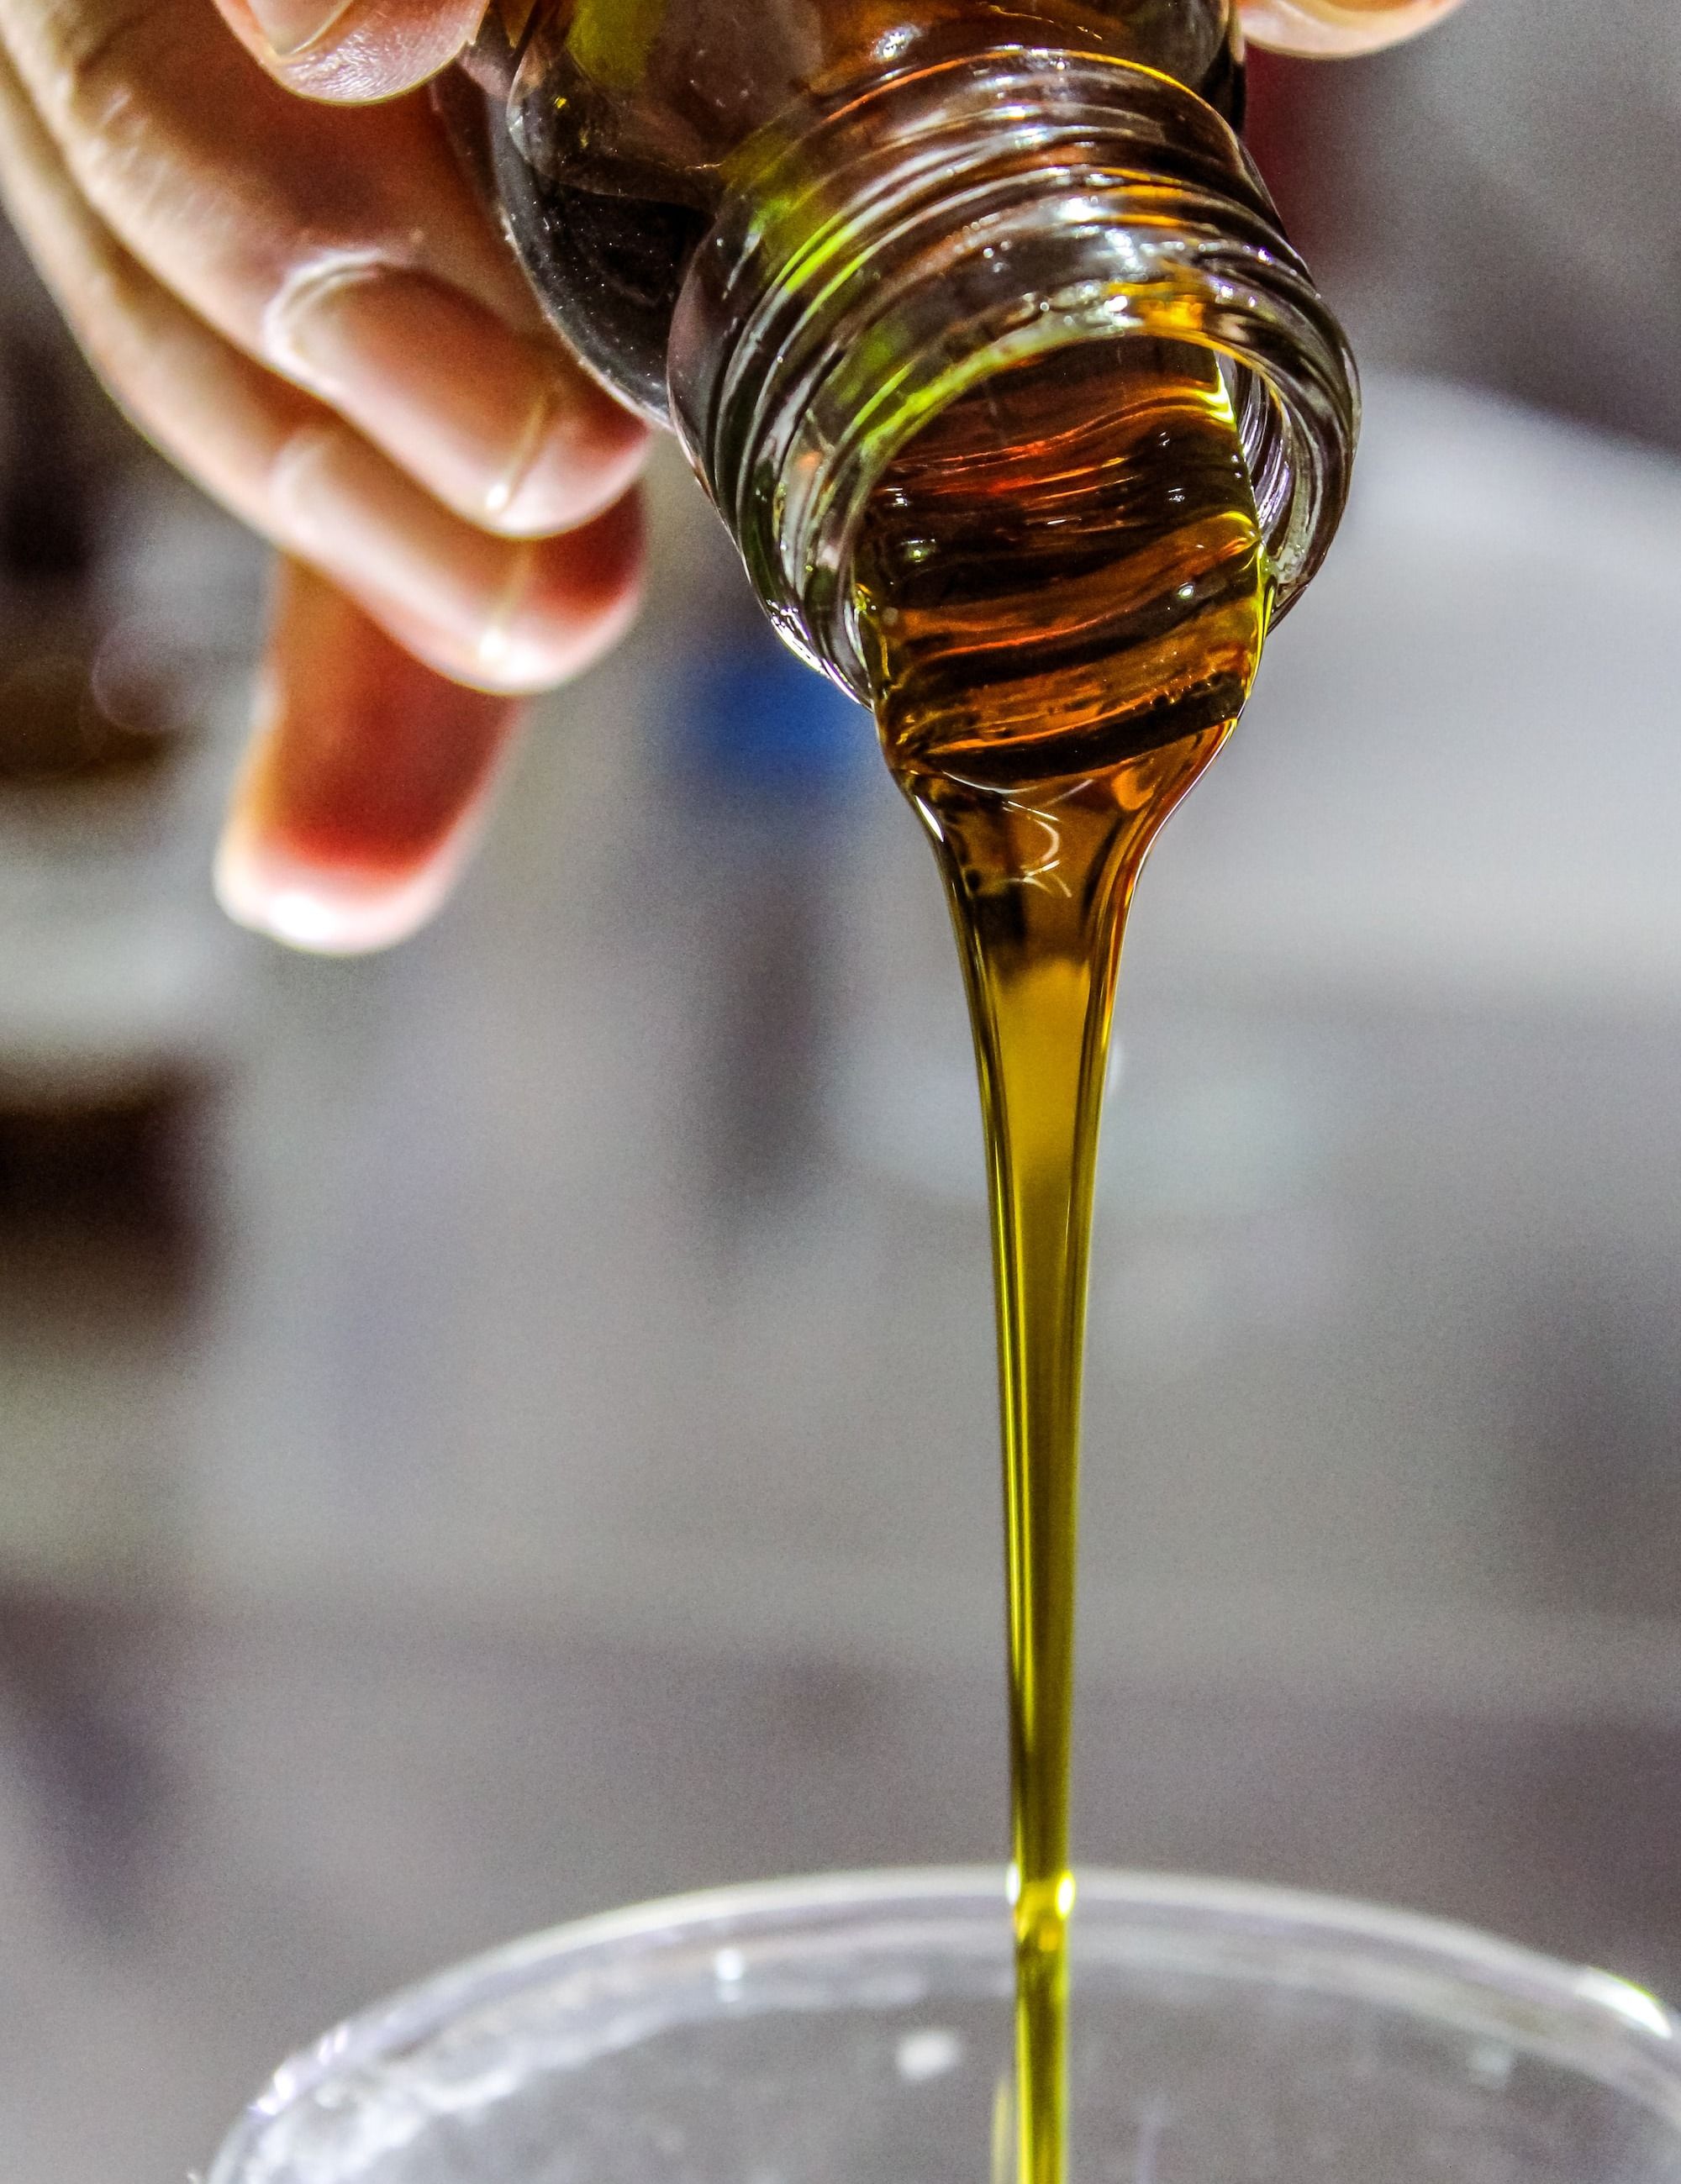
column 1063, row 593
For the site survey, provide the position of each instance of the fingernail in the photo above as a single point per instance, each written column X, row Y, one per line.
column 323, row 912
column 507, row 432
column 291, row 27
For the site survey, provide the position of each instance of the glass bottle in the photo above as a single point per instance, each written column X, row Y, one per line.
column 797, row 230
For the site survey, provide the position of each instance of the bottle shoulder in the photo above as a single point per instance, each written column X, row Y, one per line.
column 612, row 126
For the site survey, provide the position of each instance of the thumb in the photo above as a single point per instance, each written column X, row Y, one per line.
column 1329, row 29
column 355, row 50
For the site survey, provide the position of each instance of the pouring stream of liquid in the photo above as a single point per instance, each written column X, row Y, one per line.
column 1063, row 593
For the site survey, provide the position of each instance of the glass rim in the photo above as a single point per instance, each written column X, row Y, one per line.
column 1594, row 2020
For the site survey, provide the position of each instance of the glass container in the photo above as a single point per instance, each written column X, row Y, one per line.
column 856, row 2030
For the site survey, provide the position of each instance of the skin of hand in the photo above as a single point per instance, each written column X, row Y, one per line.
column 304, row 305
column 1335, row 29
column 266, row 248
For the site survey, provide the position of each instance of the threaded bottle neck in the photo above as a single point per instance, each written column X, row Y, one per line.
column 878, row 258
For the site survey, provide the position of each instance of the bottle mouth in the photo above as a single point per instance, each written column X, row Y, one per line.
column 883, row 256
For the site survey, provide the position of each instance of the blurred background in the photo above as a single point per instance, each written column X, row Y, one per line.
column 508, row 1428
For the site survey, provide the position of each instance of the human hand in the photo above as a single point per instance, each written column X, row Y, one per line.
column 306, row 307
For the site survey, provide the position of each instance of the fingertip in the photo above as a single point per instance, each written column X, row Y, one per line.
column 565, row 603
column 576, row 466
column 324, row 910
column 368, row 779
column 1337, row 30
column 353, row 52
column 589, row 590
column 503, row 616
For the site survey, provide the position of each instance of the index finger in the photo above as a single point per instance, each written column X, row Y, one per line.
column 353, row 50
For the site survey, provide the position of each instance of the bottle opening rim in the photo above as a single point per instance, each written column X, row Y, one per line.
column 948, row 224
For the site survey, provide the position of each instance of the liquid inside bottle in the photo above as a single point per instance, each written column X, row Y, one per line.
column 1063, row 592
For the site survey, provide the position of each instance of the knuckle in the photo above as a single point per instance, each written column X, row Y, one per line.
column 99, row 58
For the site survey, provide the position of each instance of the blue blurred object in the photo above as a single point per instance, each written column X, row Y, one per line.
column 752, row 722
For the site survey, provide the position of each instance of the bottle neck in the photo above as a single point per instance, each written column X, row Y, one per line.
column 891, row 250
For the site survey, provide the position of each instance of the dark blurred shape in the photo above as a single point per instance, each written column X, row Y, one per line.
column 102, row 1095
column 82, row 1686
column 101, row 1195
column 80, row 699
column 1599, row 1373
column 66, row 717
column 50, row 488
column 96, row 1166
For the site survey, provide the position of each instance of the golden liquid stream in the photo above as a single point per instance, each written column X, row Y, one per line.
column 1063, row 593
